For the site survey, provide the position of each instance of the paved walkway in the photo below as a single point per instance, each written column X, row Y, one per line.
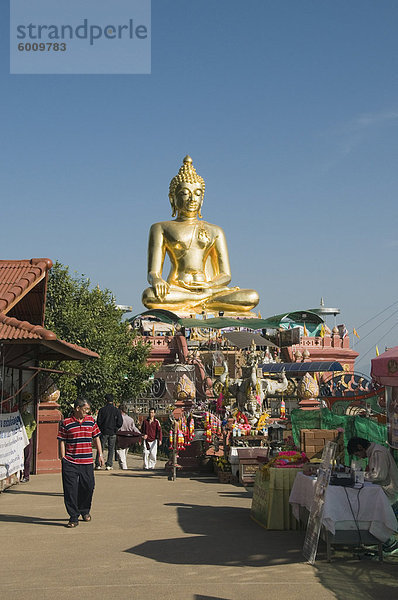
column 151, row 538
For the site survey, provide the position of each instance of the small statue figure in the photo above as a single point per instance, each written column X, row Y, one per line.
column 200, row 271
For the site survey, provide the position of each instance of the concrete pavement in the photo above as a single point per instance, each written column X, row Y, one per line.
column 152, row 538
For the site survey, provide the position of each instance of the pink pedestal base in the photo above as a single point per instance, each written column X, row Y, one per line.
column 47, row 445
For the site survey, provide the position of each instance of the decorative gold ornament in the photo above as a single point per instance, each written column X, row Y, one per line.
column 200, row 270
column 185, row 388
column 51, row 395
column 308, row 387
column 263, row 421
column 291, row 388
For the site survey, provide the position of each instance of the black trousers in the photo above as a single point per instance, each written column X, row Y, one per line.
column 78, row 482
column 110, row 441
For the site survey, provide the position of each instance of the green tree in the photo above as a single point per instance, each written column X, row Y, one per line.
column 87, row 316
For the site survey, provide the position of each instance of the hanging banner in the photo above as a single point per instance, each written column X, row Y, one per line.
column 392, row 415
column 13, row 440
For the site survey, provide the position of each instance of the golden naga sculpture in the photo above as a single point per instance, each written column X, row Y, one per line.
column 200, row 271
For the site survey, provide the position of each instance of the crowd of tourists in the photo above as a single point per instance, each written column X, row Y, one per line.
column 114, row 429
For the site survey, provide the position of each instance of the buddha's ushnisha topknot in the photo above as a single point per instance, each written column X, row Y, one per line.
column 188, row 174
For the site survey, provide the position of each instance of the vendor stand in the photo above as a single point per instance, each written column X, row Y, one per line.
column 350, row 516
column 272, row 487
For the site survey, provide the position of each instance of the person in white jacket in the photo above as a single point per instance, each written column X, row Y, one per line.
column 382, row 470
column 127, row 435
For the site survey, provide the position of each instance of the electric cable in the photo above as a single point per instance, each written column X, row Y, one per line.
column 377, row 326
column 352, row 512
column 378, row 314
column 362, row 356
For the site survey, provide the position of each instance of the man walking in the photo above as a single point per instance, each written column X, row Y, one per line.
column 127, row 435
column 152, row 436
column 75, row 438
column 109, row 420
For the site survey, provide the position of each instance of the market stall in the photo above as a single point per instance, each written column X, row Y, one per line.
column 351, row 516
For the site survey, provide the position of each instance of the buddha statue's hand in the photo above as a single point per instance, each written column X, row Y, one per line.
column 160, row 287
column 194, row 282
column 194, row 286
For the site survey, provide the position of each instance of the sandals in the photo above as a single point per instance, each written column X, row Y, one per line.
column 86, row 518
column 72, row 524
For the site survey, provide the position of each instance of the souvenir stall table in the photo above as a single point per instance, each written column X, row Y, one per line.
column 352, row 516
column 272, row 487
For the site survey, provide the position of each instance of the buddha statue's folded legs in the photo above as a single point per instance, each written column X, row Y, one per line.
column 223, row 299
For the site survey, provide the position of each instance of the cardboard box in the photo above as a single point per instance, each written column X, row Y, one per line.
column 316, row 439
column 319, row 433
column 310, row 450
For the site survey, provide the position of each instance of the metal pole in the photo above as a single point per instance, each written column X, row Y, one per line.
column 175, row 450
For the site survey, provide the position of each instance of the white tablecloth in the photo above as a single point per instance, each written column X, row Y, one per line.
column 371, row 508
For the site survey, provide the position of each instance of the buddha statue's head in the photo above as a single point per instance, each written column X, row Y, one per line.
column 187, row 190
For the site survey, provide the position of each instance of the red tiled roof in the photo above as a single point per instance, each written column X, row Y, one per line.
column 67, row 347
column 12, row 329
column 18, row 277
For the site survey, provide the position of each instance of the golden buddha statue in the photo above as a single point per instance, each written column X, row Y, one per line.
column 200, row 271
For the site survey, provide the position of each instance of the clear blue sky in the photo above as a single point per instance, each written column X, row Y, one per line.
column 289, row 110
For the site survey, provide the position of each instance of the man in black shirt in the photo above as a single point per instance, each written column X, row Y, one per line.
column 109, row 420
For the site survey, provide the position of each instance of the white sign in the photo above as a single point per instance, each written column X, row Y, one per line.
column 315, row 519
column 13, row 440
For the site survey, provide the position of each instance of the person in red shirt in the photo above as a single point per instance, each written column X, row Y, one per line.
column 75, row 437
column 152, row 436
